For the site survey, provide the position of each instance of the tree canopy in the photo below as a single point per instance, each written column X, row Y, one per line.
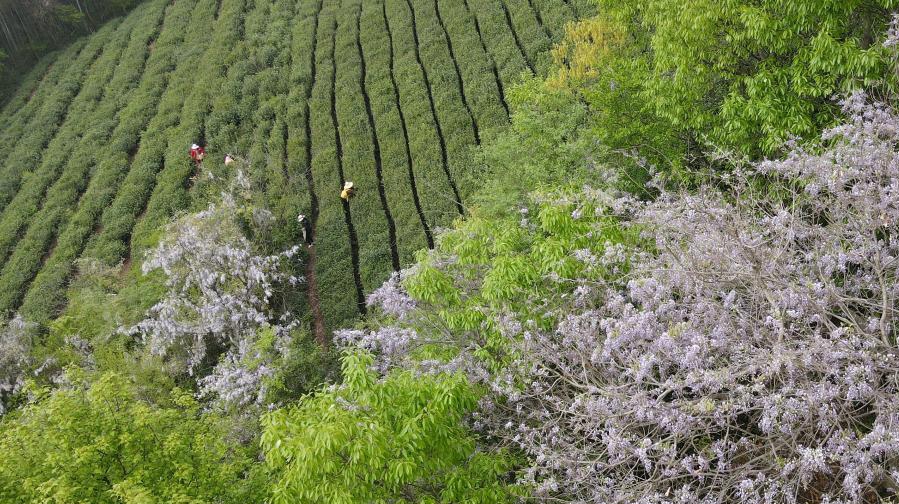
column 31, row 28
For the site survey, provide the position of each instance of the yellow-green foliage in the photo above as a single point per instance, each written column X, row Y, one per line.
column 745, row 75
column 101, row 443
column 398, row 439
column 585, row 52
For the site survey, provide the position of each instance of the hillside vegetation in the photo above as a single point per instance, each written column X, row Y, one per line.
column 630, row 252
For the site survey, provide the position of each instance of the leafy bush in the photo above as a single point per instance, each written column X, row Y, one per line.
column 769, row 74
column 401, row 438
column 101, row 443
column 549, row 143
column 600, row 67
column 746, row 76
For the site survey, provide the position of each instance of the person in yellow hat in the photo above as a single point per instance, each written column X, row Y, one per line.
column 349, row 190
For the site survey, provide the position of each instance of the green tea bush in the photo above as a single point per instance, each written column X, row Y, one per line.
column 24, row 193
column 532, row 36
column 554, row 16
column 399, row 179
column 300, row 181
column 21, row 106
column 117, row 79
column 512, row 60
column 46, row 294
column 370, row 209
column 112, row 242
column 188, row 91
column 32, row 195
column 479, row 65
column 334, row 264
column 427, row 151
column 257, row 80
column 453, row 117
column 28, row 152
column 296, row 194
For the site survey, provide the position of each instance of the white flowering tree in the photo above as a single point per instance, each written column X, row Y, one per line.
column 15, row 357
column 750, row 356
column 219, row 301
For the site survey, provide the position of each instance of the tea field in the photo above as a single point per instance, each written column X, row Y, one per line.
column 390, row 94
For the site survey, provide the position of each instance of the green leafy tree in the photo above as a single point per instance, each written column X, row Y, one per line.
column 603, row 65
column 399, row 439
column 749, row 74
column 100, row 443
column 68, row 16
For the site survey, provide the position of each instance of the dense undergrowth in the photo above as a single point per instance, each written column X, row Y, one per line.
column 674, row 282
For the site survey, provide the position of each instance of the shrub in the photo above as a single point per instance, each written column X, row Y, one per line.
column 401, row 438
column 101, row 443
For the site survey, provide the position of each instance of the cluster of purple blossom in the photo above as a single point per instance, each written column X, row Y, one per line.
column 892, row 39
column 404, row 344
column 391, row 298
column 749, row 354
column 239, row 378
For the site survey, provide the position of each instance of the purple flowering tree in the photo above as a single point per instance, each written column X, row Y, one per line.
column 741, row 348
column 750, row 357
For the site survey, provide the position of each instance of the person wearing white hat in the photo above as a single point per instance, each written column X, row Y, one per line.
column 197, row 153
column 305, row 228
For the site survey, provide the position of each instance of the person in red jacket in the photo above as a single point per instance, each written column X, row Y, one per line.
column 197, row 153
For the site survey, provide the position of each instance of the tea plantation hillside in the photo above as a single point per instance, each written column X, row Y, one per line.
column 389, row 94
